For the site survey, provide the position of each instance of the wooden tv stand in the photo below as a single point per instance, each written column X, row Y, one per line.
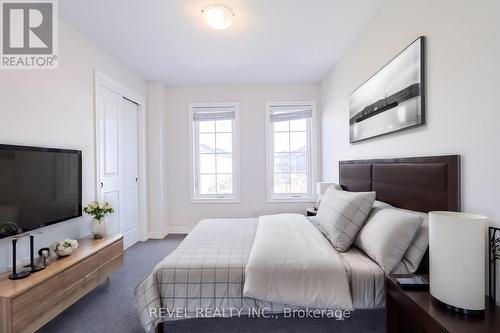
column 28, row 304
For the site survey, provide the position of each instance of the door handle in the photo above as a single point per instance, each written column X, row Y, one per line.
column 102, row 184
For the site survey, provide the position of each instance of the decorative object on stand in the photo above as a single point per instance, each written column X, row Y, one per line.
column 33, row 267
column 15, row 274
column 321, row 188
column 44, row 254
column 66, row 247
column 393, row 99
column 494, row 255
column 98, row 210
column 456, row 254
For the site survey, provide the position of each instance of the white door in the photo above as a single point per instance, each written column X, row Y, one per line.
column 117, row 141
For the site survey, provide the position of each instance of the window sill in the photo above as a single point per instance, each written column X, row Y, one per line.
column 215, row 200
column 291, row 199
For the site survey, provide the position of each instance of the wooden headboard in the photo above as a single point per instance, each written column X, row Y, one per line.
column 421, row 184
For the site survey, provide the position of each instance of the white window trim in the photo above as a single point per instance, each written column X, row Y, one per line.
column 235, row 197
column 270, row 161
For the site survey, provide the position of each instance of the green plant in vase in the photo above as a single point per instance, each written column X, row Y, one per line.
column 98, row 210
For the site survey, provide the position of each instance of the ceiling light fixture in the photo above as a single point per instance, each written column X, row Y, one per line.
column 218, row 17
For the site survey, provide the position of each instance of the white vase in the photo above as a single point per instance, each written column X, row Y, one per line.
column 64, row 252
column 98, row 228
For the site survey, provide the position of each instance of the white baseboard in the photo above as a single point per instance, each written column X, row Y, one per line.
column 157, row 234
column 178, row 230
column 171, row 230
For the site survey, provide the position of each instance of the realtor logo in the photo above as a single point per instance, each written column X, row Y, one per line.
column 28, row 34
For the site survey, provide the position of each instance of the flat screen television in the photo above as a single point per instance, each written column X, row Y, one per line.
column 38, row 187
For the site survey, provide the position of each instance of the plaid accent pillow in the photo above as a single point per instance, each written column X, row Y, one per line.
column 341, row 215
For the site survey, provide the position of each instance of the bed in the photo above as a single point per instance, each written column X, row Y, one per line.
column 205, row 276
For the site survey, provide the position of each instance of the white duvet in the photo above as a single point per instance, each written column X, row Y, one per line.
column 291, row 262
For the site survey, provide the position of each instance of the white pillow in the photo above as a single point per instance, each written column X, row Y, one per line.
column 416, row 251
column 341, row 215
column 386, row 236
column 380, row 204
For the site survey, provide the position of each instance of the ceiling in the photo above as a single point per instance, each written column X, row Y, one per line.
column 271, row 41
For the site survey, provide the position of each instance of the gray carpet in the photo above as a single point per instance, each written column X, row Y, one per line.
column 111, row 308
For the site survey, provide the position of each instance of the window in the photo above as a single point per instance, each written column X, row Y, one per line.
column 215, row 152
column 290, row 141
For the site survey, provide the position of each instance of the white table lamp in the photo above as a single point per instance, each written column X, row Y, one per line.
column 457, row 242
column 321, row 188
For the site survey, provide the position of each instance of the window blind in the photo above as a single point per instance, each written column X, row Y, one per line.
column 213, row 113
column 292, row 112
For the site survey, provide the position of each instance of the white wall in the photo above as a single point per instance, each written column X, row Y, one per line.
column 183, row 215
column 463, row 80
column 157, row 165
column 55, row 108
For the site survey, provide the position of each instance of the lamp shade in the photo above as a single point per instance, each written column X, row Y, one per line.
column 321, row 187
column 456, row 260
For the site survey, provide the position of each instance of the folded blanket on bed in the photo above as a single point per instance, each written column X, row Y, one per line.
column 203, row 277
column 292, row 262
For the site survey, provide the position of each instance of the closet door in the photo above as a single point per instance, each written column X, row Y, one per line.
column 117, row 143
column 129, row 204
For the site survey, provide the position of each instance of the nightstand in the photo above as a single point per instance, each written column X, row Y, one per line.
column 415, row 311
column 311, row 211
